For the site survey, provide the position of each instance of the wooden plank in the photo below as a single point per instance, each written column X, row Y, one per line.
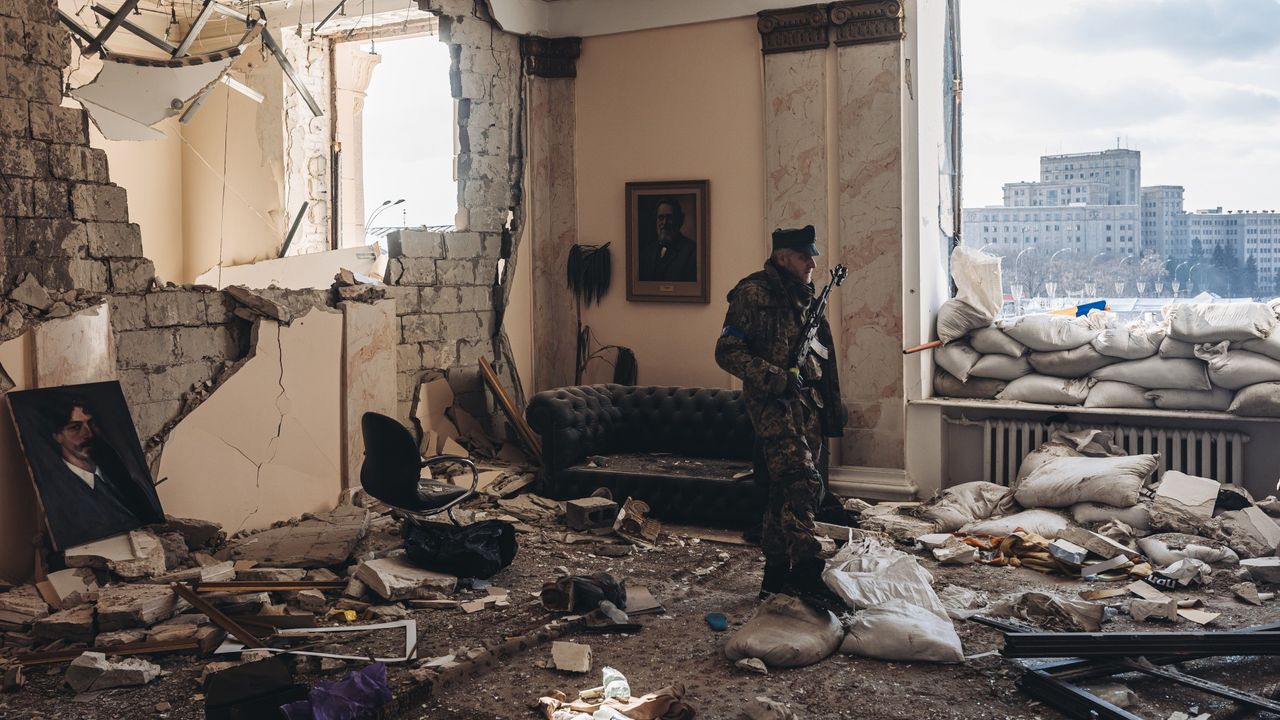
column 525, row 433
column 145, row 648
column 268, row 585
column 217, row 617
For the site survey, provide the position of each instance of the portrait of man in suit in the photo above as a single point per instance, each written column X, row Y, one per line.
column 89, row 470
column 668, row 255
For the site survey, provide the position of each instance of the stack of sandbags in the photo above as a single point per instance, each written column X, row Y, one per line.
column 1221, row 357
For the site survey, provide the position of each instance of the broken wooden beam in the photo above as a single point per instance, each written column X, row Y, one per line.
column 145, row 648
column 217, row 617
column 244, row 586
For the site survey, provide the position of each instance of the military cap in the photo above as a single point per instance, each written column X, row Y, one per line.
column 799, row 239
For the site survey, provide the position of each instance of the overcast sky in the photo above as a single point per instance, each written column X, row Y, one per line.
column 1193, row 84
column 408, row 134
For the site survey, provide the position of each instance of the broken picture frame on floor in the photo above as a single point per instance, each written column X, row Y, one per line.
column 86, row 462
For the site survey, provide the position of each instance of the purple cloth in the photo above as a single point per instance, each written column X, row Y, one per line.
column 359, row 693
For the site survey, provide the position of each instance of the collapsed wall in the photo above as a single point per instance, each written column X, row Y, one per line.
column 66, row 224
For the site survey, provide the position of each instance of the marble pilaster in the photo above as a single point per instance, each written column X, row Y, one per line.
column 870, row 180
column 551, row 207
column 795, row 140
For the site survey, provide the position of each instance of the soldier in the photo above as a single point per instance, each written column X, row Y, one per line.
column 766, row 314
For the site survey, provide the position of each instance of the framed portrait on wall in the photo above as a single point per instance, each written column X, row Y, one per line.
column 89, row 470
column 668, row 241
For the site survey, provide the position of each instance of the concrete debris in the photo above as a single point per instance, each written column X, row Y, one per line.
column 120, row 637
column 634, row 524
column 1263, row 570
column 74, row 626
column 1143, row 610
column 755, row 665
column 32, row 294
column 762, row 708
column 955, row 552
column 320, row 540
column 311, row 601
column 1199, row 617
column 1068, row 552
column 1100, row 545
column 272, row 574
column 92, row 671
column 20, row 607
column 97, row 554
column 1250, row 532
column 1184, row 501
column 71, row 587
column 137, row 554
column 571, row 656
column 11, row 678
column 397, row 579
column 933, row 541
column 198, row 534
column 1248, row 592
column 355, row 589
column 173, row 633
column 1270, row 505
column 259, row 304
column 217, row 572
column 129, row 606
column 589, row 513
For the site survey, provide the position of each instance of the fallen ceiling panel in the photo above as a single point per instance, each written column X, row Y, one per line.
column 144, row 94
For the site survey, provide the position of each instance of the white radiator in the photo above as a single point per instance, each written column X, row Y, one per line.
column 1213, row 454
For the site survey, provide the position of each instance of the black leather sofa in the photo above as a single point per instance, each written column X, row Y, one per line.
column 677, row 449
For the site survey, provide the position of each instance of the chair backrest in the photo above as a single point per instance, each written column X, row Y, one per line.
column 391, row 465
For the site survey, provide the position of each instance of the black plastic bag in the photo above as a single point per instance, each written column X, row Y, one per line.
column 478, row 550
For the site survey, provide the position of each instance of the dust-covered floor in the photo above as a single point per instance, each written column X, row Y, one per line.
column 692, row 577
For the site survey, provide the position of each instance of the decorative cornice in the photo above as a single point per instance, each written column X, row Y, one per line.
column 857, row 22
column 551, row 57
column 793, row 30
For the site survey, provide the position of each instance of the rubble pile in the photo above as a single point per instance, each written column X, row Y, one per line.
column 1211, row 357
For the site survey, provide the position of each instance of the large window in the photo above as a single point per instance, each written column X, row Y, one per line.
column 1171, row 105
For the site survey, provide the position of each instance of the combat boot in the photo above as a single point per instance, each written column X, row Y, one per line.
column 777, row 573
column 806, row 584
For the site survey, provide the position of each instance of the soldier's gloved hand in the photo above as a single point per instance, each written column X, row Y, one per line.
column 778, row 381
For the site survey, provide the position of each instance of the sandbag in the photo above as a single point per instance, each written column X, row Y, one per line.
column 1137, row 517
column 1052, row 612
column 1168, row 548
column 947, row 385
column 1045, row 333
column 1076, row 443
column 1214, row 322
column 1000, row 367
column 900, row 631
column 478, row 550
column 956, row 318
column 977, row 278
column 956, row 358
column 1129, row 343
column 1171, row 399
column 1155, row 373
column 1070, row 363
column 1170, row 348
column 1063, row 482
column 785, row 632
column 991, row 340
column 962, row 504
column 1261, row 400
column 867, row 573
column 1234, row 369
column 1112, row 394
column 1047, row 390
column 1269, row 346
column 1045, row 523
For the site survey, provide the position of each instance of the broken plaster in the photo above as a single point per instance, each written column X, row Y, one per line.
column 266, row 446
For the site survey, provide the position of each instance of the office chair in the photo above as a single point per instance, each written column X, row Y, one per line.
column 392, row 471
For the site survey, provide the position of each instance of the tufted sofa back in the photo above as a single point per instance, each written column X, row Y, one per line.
column 583, row 420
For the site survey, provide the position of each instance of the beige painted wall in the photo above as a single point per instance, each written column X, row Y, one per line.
column 518, row 319
column 243, row 222
column 678, row 103
column 18, row 524
column 151, row 172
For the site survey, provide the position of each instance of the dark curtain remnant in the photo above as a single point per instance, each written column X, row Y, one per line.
column 589, row 272
column 950, row 213
column 625, row 368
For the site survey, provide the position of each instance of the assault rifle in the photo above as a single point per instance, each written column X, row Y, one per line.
column 808, row 340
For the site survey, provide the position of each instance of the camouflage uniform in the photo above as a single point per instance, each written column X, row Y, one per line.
column 766, row 313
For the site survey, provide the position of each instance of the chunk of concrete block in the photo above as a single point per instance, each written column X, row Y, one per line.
column 198, row 534
column 21, row 606
column 97, row 554
column 1100, row 545
column 311, row 601
column 397, row 579
column 32, row 294
column 1247, row 592
column 1183, row 501
column 173, row 633
column 272, row 574
column 73, row 586
column 322, row 540
column 590, row 512
column 136, row 554
column 259, row 303
column 1143, row 610
column 955, row 552
column 92, row 671
column 129, row 606
column 1263, row 569
column 120, row 637
column 74, row 626
column 571, row 656
column 1251, row 532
